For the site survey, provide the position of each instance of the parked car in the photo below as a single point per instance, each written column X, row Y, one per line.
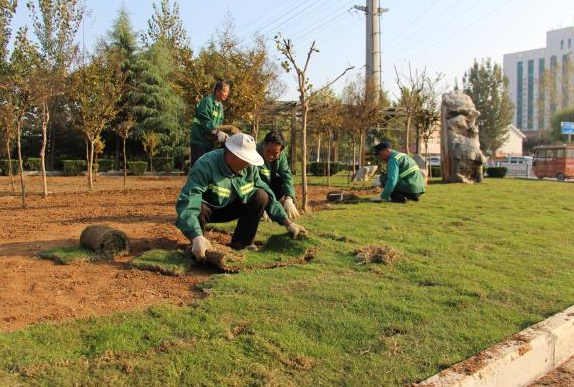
column 518, row 160
column 554, row 161
column 433, row 161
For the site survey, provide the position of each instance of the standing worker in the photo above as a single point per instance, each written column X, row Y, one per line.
column 276, row 172
column 403, row 180
column 205, row 129
column 225, row 185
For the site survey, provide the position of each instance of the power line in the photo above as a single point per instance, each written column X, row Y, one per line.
column 412, row 23
column 319, row 27
column 274, row 20
column 263, row 12
column 276, row 27
column 456, row 33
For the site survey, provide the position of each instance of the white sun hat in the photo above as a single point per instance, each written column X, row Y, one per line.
column 243, row 146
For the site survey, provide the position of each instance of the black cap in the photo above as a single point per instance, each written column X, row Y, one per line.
column 382, row 146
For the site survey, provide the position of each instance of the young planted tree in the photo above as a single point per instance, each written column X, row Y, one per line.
column 150, row 142
column 95, row 92
column 7, row 133
column 486, row 84
column 428, row 116
column 123, row 130
column 25, row 69
column 304, row 87
column 411, row 89
column 56, row 23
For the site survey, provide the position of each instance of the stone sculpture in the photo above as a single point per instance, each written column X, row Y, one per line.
column 462, row 159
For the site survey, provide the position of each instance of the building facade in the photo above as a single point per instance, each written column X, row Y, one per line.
column 541, row 81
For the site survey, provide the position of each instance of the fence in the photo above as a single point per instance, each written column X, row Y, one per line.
column 517, row 170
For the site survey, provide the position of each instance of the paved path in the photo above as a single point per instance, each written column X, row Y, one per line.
column 561, row 377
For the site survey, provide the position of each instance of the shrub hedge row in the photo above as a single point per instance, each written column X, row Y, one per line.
column 496, row 171
column 137, row 168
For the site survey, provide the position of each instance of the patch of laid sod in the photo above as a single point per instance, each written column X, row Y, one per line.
column 480, row 263
column 378, row 254
column 67, row 255
column 279, row 250
column 164, row 261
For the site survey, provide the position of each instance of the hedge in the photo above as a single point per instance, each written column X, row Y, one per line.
column 74, row 167
column 34, row 164
column 105, row 165
column 496, row 171
column 320, row 169
column 137, row 168
column 4, row 167
column 163, row 164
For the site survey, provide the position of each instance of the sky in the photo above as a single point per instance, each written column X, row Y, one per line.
column 434, row 35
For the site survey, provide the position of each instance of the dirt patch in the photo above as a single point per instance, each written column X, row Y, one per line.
column 34, row 290
column 563, row 376
column 378, row 254
column 472, row 365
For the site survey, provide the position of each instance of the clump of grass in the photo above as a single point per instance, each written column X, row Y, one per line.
column 378, row 254
column 67, row 255
column 166, row 262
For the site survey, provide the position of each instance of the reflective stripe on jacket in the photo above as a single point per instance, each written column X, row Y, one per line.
column 208, row 116
column 210, row 181
column 403, row 175
column 277, row 171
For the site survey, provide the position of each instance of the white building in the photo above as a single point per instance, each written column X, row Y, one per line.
column 513, row 144
column 525, row 70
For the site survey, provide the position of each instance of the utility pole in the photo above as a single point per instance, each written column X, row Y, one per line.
column 373, row 47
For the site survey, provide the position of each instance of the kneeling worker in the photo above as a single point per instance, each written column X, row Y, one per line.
column 403, row 180
column 224, row 185
column 276, row 173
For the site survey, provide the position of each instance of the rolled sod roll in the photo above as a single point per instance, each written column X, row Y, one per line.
column 105, row 241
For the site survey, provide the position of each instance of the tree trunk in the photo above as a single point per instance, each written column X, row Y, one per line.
column 90, row 163
column 20, row 164
column 293, row 141
column 45, row 120
column 117, row 154
column 125, row 162
column 304, row 109
column 96, row 163
column 9, row 160
column 318, row 158
column 256, row 128
column 336, row 146
column 87, row 158
column 362, row 148
column 354, row 157
column 329, row 160
column 407, row 130
column 151, row 164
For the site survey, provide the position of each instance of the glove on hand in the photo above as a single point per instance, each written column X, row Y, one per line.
column 221, row 136
column 200, row 245
column 265, row 217
column 290, row 208
column 296, row 230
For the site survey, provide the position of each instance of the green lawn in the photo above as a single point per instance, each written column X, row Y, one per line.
column 476, row 264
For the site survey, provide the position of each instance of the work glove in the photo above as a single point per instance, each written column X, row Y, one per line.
column 221, row 136
column 296, row 230
column 200, row 245
column 290, row 208
column 265, row 217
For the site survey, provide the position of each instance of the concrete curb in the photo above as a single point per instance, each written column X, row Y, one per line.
column 517, row 361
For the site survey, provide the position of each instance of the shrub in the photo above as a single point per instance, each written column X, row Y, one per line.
column 496, row 171
column 137, row 168
column 105, row 165
column 34, row 164
column 74, row 167
column 320, row 169
column 163, row 164
column 4, row 167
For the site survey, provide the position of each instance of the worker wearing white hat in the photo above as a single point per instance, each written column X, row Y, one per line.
column 224, row 185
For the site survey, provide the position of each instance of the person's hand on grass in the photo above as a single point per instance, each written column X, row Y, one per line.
column 200, row 245
column 297, row 231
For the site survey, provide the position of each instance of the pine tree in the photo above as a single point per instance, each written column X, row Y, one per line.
column 486, row 84
column 157, row 106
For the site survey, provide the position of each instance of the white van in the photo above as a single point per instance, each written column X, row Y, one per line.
column 518, row 160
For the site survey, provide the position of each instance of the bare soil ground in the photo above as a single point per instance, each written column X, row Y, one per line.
column 34, row 290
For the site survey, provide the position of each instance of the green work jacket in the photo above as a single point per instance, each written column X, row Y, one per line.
column 403, row 175
column 208, row 116
column 211, row 181
column 277, row 172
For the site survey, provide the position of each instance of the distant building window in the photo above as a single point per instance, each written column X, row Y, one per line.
column 566, row 74
column 562, row 44
column 552, row 86
column 519, row 93
column 541, row 91
column 530, row 96
column 569, row 43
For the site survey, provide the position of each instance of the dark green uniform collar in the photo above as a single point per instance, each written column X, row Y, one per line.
column 224, row 168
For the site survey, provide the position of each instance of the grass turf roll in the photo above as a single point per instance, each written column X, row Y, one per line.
column 105, row 241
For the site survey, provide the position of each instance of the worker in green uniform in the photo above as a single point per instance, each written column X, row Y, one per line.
column 205, row 129
column 224, row 185
column 403, row 180
column 276, row 173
